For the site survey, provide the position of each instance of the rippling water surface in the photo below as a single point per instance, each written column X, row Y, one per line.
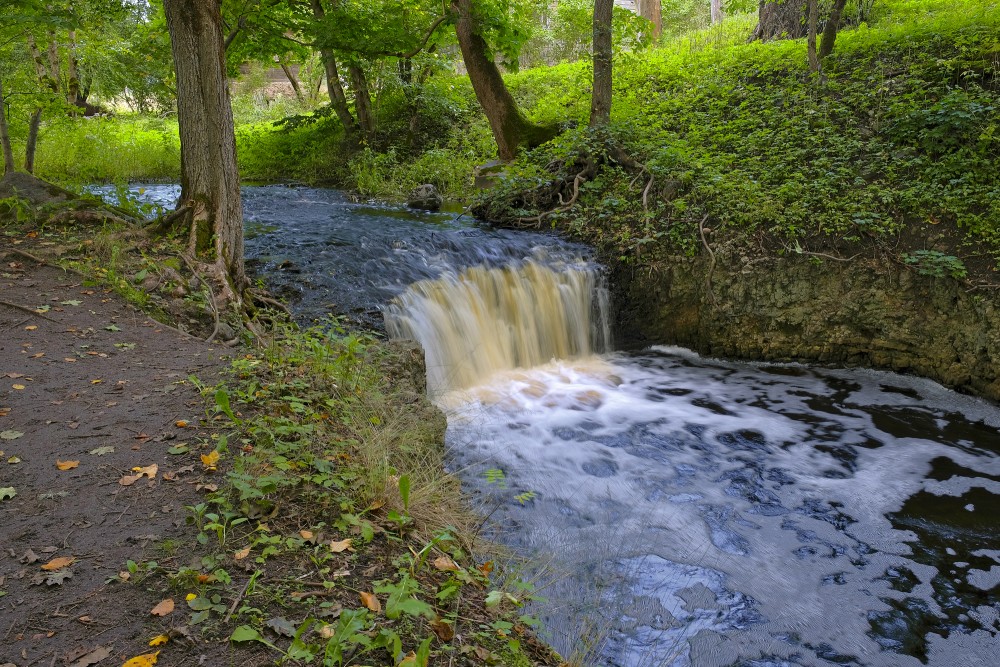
column 688, row 511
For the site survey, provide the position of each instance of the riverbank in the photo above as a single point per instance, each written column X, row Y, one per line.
column 292, row 500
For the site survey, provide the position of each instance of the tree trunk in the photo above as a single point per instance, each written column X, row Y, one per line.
column 652, row 11
column 716, row 11
column 32, row 143
column 780, row 19
column 600, row 100
column 830, row 30
column 811, row 35
column 8, row 153
column 290, row 75
column 54, row 61
column 362, row 100
column 73, row 73
column 338, row 100
column 510, row 128
column 210, row 187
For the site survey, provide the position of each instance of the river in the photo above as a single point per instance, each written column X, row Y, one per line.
column 677, row 510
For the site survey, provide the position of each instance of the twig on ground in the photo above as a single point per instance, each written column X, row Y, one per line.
column 239, row 597
column 26, row 255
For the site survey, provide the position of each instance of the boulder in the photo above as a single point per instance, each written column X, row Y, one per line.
column 425, row 197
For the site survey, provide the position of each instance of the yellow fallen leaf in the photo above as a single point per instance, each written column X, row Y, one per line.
column 306, row 534
column 145, row 660
column 30, row 327
column 342, row 545
column 147, row 471
column 206, row 578
column 369, row 600
column 58, row 563
column 19, row 387
column 159, row 640
column 210, row 460
column 242, row 553
column 96, row 381
column 445, row 564
column 163, row 608
column 190, row 596
column 180, row 423
column 66, row 465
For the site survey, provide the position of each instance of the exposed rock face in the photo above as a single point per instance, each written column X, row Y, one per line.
column 846, row 313
column 425, row 197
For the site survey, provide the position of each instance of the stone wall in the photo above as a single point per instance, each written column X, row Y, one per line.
column 817, row 310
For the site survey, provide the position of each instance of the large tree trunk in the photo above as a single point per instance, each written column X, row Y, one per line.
column 510, row 128
column 652, row 11
column 338, row 100
column 8, row 153
column 210, row 186
column 780, row 19
column 830, row 30
column 600, row 100
column 716, row 11
column 362, row 100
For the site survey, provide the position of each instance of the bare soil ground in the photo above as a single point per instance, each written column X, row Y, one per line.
column 91, row 389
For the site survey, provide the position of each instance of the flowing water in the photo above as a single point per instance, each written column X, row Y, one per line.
column 685, row 511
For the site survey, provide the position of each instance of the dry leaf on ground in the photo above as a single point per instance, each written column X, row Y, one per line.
column 58, row 563
column 445, row 564
column 242, row 553
column 342, row 545
column 66, row 465
column 210, row 460
column 159, row 640
column 163, row 608
column 369, row 600
column 92, row 658
column 145, row 660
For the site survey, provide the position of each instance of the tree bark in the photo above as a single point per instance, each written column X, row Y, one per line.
column 780, row 19
column 338, row 100
column 510, row 128
column 652, row 11
column 32, row 143
column 54, row 61
column 600, row 100
column 830, row 30
column 292, row 79
column 210, row 186
column 716, row 12
column 811, row 35
column 8, row 153
column 73, row 73
column 362, row 100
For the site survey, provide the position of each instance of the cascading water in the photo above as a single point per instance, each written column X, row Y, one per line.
column 691, row 512
column 481, row 321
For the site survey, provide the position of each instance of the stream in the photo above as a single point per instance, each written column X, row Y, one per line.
column 677, row 510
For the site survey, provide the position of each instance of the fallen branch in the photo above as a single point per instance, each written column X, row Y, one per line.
column 25, row 309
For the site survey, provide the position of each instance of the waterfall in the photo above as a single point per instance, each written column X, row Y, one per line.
column 484, row 320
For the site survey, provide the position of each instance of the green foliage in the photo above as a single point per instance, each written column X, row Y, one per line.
column 935, row 263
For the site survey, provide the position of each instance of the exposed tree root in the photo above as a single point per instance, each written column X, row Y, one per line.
column 262, row 298
column 711, row 254
column 211, row 296
column 25, row 309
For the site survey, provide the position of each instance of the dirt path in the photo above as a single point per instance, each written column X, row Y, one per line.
column 95, row 384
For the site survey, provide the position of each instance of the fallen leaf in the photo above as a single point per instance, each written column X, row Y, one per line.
column 30, row 327
column 66, row 465
column 71, row 302
column 281, row 625
column 101, row 451
column 369, row 600
column 325, row 631
column 58, row 563
column 85, row 619
column 242, row 553
column 14, row 460
column 445, row 564
column 7, row 492
column 37, row 355
column 179, row 449
column 443, row 629
column 342, row 545
column 92, row 658
column 11, row 435
column 170, row 475
column 53, row 578
column 129, row 480
column 207, row 487
column 486, row 567
column 180, row 423
column 124, row 575
column 163, row 608
column 96, row 381
column 19, row 387
column 29, row 557
column 211, row 459
column 69, row 360
column 159, row 640
column 145, row 660
column 146, row 471
column 306, row 534
column 206, row 578
column 410, row 660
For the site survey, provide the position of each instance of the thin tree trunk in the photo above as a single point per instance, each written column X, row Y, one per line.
column 780, row 19
column 73, row 73
column 290, row 75
column 600, row 101
column 716, row 12
column 8, row 153
column 652, row 11
column 510, row 128
column 338, row 100
column 362, row 100
column 811, row 35
column 32, row 143
column 54, row 62
column 830, row 30
column 210, row 186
